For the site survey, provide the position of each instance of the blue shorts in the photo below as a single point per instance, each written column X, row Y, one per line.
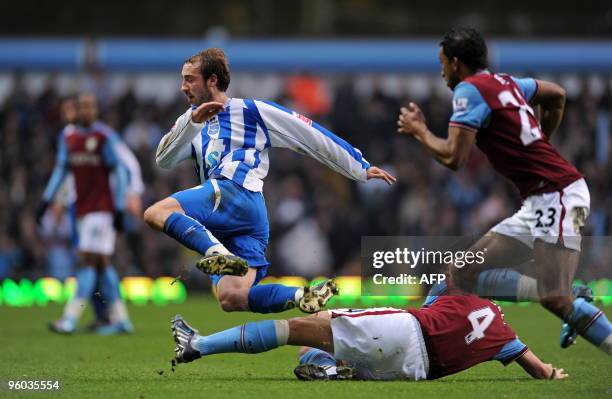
column 236, row 216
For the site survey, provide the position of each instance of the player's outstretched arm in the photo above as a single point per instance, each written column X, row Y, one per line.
column 374, row 172
column 451, row 152
column 551, row 99
column 538, row 369
column 287, row 129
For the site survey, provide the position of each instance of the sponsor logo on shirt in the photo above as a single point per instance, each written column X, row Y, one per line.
column 213, row 159
column 84, row 159
column 303, row 118
column 460, row 104
column 91, row 144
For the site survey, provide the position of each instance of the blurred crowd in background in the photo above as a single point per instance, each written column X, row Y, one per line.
column 317, row 216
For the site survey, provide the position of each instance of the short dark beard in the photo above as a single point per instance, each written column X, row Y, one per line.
column 206, row 97
column 452, row 82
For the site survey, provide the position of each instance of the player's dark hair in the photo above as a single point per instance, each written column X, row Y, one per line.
column 468, row 46
column 213, row 61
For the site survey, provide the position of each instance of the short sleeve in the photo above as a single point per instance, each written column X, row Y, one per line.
column 511, row 351
column 529, row 87
column 470, row 110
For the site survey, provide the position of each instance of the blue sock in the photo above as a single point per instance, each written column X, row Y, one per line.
column 189, row 232
column 256, row 337
column 506, row 285
column 498, row 284
column 591, row 323
column 434, row 292
column 110, row 284
column 271, row 298
column 317, row 356
column 99, row 304
column 86, row 282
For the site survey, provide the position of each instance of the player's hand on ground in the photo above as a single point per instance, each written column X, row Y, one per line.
column 558, row 374
column 375, row 172
column 206, row 111
column 411, row 120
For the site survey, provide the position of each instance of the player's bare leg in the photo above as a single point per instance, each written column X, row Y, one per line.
column 312, row 331
column 233, row 291
column 157, row 214
column 555, row 269
column 501, row 251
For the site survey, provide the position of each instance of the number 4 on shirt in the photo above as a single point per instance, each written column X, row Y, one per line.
column 481, row 320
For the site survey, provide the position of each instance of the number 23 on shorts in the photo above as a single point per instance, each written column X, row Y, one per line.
column 546, row 218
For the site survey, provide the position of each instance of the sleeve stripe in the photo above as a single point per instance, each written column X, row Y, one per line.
column 352, row 151
column 463, row 125
column 518, row 355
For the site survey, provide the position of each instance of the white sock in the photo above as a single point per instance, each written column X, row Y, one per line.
column 298, row 295
column 527, row 289
column 118, row 312
column 606, row 345
column 282, row 331
column 74, row 309
column 219, row 249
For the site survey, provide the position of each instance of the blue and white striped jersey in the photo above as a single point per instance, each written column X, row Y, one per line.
column 234, row 144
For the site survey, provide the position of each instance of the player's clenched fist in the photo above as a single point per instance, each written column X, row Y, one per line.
column 411, row 120
column 206, row 111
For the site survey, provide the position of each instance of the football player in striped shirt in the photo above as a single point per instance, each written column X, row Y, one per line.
column 224, row 218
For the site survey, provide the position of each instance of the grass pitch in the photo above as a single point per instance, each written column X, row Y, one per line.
column 138, row 366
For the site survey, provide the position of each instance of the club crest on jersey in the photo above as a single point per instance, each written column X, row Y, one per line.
column 460, row 104
column 213, row 126
column 303, row 118
column 91, row 144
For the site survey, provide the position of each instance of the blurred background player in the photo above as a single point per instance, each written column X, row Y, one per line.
column 448, row 335
column 225, row 218
column 87, row 149
column 103, row 324
column 493, row 111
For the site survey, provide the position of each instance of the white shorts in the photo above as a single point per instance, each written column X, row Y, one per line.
column 381, row 343
column 96, row 233
column 556, row 217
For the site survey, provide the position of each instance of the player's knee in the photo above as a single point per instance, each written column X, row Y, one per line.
column 233, row 300
column 156, row 215
column 150, row 216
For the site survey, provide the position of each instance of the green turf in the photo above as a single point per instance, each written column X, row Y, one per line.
column 130, row 366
